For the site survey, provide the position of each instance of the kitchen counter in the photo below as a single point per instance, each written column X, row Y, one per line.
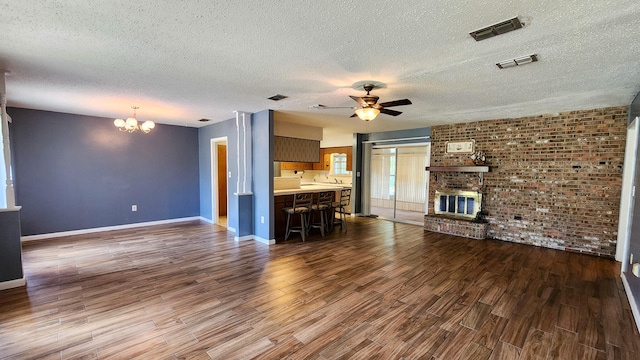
column 284, row 197
column 310, row 188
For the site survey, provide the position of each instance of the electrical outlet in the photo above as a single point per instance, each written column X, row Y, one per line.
column 229, row 174
column 636, row 269
column 261, row 219
column 134, row 207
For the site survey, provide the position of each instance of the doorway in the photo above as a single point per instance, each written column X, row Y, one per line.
column 398, row 188
column 219, row 171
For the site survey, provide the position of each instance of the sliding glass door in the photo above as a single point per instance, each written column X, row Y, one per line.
column 399, row 182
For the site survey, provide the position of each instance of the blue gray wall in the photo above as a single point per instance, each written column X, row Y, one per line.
column 263, row 174
column 227, row 129
column 11, row 249
column 77, row 172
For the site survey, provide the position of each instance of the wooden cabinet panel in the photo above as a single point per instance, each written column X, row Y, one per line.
column 280, row 218
column 287, row 165
column 348, row 150
column 326, row 162
column 320, row 164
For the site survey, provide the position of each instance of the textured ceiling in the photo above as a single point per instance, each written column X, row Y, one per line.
column 181, row 61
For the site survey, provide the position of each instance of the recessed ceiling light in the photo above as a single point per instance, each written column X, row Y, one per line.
column 277, row 97
column 496, row 29
column 517, row 61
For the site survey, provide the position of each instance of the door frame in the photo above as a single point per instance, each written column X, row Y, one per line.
column 626, row 198
column 215, row 215
column 366, row 194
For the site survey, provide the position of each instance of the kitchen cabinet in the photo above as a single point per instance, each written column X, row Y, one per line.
column 320, row 164
column 287, row 165
column 348, row 150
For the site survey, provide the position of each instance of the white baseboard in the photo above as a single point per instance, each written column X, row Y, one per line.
column 632, row 301
column 233, row 230
column 264, row 241
column 209, row 221
column 13, row 283
column 106, row 228
column 243, row 238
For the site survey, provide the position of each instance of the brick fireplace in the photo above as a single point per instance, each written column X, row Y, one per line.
column 555, row 179
column 455, row 211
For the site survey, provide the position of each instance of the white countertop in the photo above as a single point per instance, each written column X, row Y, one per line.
column 311, row 188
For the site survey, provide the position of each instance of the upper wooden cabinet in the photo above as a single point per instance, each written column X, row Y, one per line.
column 326, row 154
column 324, row 162
column 287, row 165
column 320, row 164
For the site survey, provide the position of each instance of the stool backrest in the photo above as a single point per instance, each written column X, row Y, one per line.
column 302, row 200
column 345, row 197
column 326, row 197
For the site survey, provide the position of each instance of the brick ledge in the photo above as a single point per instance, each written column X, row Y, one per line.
column 458, row 227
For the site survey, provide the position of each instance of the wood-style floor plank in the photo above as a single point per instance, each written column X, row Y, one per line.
column 381, row 291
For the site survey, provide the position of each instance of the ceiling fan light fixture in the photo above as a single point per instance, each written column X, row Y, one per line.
column 367, row 114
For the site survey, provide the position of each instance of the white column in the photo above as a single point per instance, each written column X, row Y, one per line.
column 242, row 151
column 238, row 150
column 10, row 200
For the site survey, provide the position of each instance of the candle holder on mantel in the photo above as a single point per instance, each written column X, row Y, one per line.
column 478, row 158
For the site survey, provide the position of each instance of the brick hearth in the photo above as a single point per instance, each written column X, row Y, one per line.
column 459, row 227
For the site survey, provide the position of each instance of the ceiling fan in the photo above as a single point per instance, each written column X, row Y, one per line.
column 369, row 107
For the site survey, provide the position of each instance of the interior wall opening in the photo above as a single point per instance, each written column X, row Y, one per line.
column 398, row 182
column 219, row 186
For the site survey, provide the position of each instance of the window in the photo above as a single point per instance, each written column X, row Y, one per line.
column 339, row 164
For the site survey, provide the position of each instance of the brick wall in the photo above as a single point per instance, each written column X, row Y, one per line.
column 555, row 180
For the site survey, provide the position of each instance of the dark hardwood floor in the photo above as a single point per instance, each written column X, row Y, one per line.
column 382, row 290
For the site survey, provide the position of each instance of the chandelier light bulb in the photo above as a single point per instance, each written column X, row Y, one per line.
column 132, row 125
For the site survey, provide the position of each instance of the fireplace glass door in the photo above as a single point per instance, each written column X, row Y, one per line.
column 399, row 183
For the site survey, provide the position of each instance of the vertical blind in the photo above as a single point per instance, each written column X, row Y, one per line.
column 409, row 176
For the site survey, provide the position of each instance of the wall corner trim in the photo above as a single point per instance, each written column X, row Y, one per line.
column 13, row 283
column 208, row 221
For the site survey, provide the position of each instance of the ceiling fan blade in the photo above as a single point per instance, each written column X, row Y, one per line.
column 359, row 100
column 320, row 106
column 354, row 115
column 390, row 112
column 396, row 103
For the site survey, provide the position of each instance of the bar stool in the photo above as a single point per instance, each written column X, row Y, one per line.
column 301, row 205
column 340, row 207
column 324, row 203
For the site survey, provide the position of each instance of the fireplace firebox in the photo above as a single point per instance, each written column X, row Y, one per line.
column 458, row 204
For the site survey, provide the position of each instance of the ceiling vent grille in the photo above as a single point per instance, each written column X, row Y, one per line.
column 517, row 61
column 496, row 29
column 277, row 97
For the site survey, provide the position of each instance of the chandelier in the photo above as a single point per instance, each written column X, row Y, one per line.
column 131, row 124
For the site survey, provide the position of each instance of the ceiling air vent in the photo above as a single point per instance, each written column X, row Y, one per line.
column 277, row 97
column 204, row 120
column 496, row 29
column 517, row 61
